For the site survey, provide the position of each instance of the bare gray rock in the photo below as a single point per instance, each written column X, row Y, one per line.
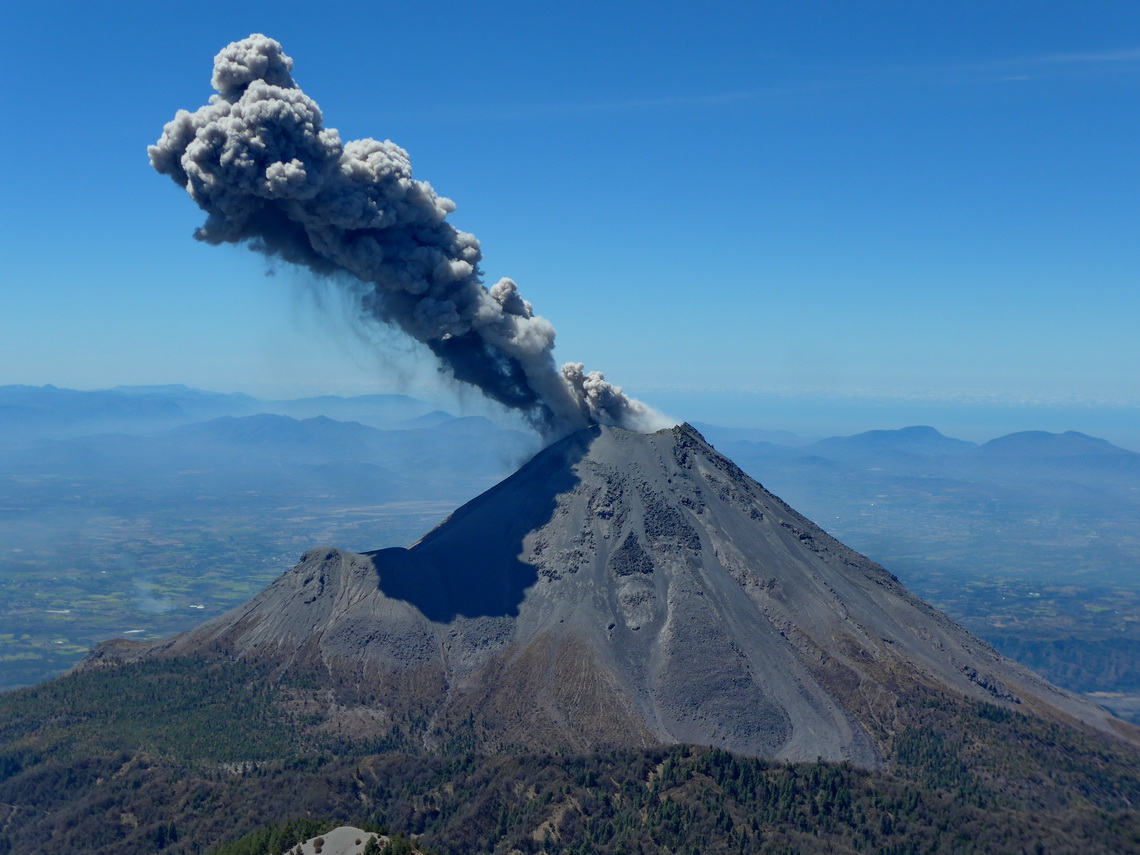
column 626, row 589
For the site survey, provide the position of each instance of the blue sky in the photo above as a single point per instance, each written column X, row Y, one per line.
column 743, row 213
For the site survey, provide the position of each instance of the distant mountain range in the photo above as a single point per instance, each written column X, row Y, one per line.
column 871, row 486
column 29, row 412
column 926, row 446
column 158, row 429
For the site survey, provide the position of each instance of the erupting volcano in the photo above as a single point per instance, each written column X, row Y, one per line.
column 623, row 588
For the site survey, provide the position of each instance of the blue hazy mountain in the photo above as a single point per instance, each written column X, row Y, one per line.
column 382, row 411
column 919, row 440
column 37, row 411
column 195, row 401
column 1064, row 504
column 1041, row 444
column 456, row 448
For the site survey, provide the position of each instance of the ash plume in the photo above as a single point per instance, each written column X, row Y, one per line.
column 260, row 162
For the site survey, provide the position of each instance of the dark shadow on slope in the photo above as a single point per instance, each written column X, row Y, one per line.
column 469, row 565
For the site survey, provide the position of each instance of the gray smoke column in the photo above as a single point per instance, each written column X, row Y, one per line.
column 259, row 161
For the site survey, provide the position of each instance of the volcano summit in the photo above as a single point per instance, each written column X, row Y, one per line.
column 620, row 590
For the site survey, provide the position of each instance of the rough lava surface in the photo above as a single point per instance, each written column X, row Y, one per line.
column 623, row 589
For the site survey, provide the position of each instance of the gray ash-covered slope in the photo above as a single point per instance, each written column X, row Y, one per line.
column 621, row 589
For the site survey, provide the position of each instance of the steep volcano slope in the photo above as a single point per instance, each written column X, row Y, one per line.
column 621, row 589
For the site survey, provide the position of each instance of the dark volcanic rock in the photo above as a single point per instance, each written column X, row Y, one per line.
column 622, row 589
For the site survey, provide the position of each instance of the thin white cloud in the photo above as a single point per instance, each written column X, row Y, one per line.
column 1036, row 66
column 1123, row 55
column 824, row 80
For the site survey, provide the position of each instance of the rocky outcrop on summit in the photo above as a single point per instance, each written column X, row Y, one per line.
column 621, row 589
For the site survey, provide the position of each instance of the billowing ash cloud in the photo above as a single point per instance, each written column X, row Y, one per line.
column 259, row 161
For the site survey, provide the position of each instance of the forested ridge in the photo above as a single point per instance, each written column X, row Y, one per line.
column 184, row 756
